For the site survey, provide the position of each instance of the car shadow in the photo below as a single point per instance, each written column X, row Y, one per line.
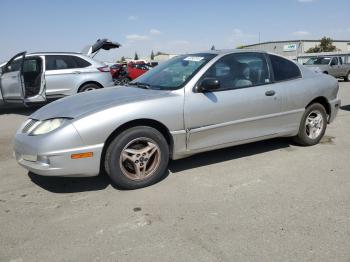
column 102, row 181
column 346, row 107
column 227, row 154
column 19, row 109
column 70, row 184
column 76, row 184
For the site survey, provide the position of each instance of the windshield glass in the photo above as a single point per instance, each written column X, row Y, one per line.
column 318, row 61
column 174, row 73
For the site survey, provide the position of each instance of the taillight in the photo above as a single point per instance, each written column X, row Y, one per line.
column 104, row 69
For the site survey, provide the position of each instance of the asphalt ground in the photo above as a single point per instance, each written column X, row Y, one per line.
column 265, row 201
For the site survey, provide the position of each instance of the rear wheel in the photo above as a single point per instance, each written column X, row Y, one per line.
column 313, row 125
column 124, row 81
column 347, row 77
column 88, row 87
column 136, row 158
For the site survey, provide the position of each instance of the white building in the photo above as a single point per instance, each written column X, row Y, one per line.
column 292, row 48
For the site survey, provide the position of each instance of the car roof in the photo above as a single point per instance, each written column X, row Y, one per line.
column 55, row 53
column 230, row 51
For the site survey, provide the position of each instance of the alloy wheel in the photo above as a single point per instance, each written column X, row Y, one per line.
column 314, row 124
column 140, row 158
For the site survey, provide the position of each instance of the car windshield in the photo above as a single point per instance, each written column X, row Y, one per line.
column 174, row 73
column 318, row 61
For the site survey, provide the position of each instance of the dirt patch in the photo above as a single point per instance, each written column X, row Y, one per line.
column 328, row 140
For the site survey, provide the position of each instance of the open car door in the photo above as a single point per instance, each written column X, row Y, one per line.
column 33, row 75
column 104, row 44
column 11, row 80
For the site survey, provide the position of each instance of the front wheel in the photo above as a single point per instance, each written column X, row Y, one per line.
column 313, row 125
column 347, row 77
column 136, row 158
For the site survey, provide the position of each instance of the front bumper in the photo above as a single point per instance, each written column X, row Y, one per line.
column 334, row 106
column 51, row 154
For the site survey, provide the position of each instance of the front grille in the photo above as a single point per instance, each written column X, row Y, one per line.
column 30, row 123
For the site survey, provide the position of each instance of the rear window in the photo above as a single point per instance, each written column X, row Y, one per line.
column 284, row 69
column 81, row 63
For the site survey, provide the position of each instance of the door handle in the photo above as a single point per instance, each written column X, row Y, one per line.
column 270, row 93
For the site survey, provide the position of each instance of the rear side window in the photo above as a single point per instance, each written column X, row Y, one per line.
column 284, row 69
column 81, row 63
column 58, row 62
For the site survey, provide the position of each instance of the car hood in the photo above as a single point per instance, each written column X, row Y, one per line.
column 97, row 100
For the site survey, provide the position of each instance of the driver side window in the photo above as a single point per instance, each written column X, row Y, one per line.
column 14, row 66
column 334, row 61
column 240, row 70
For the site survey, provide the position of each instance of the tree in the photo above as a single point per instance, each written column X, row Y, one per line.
column 212, row 47
column 152, row 55
column 326, row 45
column 136, row 57
column 240, row 47
column 122, row 59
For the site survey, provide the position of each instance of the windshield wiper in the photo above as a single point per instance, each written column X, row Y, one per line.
column 140, row 85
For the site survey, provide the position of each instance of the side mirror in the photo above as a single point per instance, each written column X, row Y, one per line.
column 208, row 84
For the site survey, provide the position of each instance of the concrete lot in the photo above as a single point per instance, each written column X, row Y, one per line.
column 267, row 201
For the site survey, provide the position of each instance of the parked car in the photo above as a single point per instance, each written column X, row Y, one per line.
column 2, row 67
column 43, row 76
column 332, row 65
column 132, row 71
column 186, row 105
column 118, row 70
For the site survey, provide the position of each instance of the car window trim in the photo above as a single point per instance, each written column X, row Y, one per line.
column 67, row 64
column 273, row 73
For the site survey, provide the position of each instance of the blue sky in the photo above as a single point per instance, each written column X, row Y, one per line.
column 169, row 26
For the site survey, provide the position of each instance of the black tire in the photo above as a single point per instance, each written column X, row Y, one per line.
column 116, row 82
column 347, row 77
column 302, row 138
column 124, row 81
column 113, row 158
column 88, row 87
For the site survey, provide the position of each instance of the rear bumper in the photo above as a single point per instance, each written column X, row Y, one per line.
column 334, row 106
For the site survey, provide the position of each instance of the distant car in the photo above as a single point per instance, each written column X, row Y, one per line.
column 43, row 76
column 118, row 70
column 131, row 72
column 186, row 105
column 332, row 65
column 153, row 64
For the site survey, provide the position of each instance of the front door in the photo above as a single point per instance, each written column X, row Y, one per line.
column 11, row 80
column 246, row 106
column 34, row 79
column 334, row 68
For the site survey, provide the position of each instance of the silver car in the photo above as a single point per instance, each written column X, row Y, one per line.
column 39, row 77
column 332, row 65
column 189, row 104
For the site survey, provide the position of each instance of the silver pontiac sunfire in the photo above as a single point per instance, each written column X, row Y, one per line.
column 189, row 104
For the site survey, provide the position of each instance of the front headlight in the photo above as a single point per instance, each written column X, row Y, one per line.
column 46, row 126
